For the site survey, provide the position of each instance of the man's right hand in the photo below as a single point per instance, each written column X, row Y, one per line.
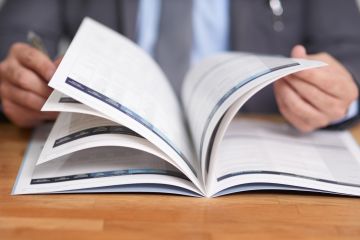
column 24, row 75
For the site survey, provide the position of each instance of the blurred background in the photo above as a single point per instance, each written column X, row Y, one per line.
column 2, row 2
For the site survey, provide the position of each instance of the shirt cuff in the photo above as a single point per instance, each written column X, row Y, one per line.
column 352, row 112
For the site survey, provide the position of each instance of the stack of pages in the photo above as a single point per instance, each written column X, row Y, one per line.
column 122, row 128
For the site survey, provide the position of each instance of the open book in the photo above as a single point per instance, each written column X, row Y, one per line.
column 122, row 128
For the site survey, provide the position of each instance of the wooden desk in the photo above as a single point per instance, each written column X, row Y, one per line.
column 145, row 216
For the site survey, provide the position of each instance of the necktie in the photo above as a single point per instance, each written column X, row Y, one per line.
column 173, row 47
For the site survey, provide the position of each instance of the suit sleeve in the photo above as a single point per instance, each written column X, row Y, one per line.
column 334, row 26
column 17, row 17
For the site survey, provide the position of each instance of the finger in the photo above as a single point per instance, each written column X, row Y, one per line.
column 25, row 117
column 1, row 74
column 286, row 111
column 333, row 79
column 49, row 115
column 295, row 121
column 22, row 117
column 298, row 51
column 312, row 76
column 329, row 82
column 2, row 70
column 303, row 116
column 25, row 79
column 301, row 109
column 26, row 99
column 332, row 107
column 35, row 60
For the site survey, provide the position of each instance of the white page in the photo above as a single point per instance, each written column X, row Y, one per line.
column 138, row 188
column 226, row 120
column 262, row 187
column 100, row 160
column 58, row 102
column 74, row 132
column 30, row 158
column 109, row 73
column 253, row 147
column 129, row 175
column 92, row 166
column 215, row 84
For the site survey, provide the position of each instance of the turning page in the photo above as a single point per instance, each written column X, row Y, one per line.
column 110, row 74
column 215, row 84
column 74, row 132
column 58, row 102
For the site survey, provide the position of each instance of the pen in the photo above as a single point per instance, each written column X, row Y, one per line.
column 35, row 41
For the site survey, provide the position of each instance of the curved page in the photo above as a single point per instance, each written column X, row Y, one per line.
column 105, row 169
column 216, row 83
column 222, row 126
column 74, row 132
column 58, row 102
column 110, row 74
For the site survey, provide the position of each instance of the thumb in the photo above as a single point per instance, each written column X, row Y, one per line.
column 298, row 51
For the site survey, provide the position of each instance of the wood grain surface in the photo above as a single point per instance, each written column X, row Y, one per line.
column 258, row 215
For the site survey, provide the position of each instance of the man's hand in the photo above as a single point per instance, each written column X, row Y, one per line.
column 24, row 75
column 315, row 98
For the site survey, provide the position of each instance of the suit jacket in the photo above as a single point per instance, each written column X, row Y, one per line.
column 331, row 26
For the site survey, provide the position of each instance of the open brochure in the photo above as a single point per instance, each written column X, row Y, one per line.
column 122, row 128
